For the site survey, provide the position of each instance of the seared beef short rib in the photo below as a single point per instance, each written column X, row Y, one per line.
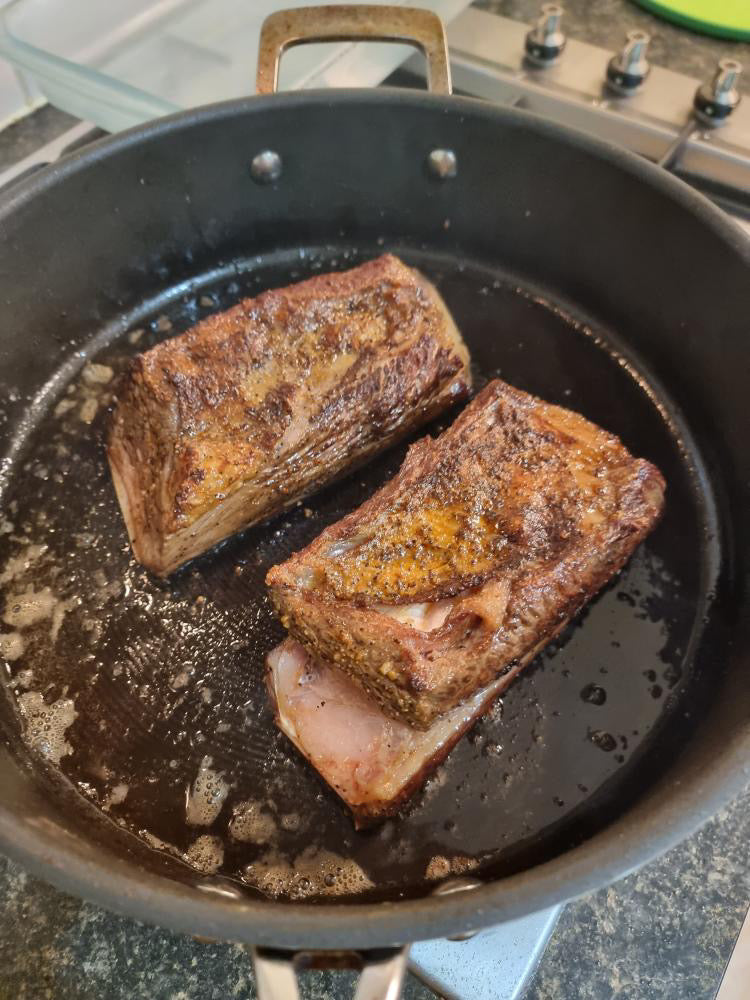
column 256, row 407
column 487, row 540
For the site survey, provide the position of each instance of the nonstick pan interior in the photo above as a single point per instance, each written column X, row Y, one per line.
column 147, row 697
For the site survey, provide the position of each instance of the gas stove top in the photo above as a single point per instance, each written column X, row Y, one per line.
column 698, row 129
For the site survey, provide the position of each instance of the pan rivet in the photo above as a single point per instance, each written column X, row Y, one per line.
column 442, row 163
column 266, row 167
column 452, row 885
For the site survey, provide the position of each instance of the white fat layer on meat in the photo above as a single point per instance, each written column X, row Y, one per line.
column 426, row 617
column 364, row 754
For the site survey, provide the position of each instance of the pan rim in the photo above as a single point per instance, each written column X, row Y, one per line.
column 596, row 862
column 604, row 857
column 657, row 177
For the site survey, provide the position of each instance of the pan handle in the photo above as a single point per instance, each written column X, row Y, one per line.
column 381, row 977
column 353, row 23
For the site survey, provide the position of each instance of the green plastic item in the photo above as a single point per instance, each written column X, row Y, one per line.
column 723, row 18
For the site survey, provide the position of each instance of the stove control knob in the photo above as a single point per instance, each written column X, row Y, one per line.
column 545, row 41
column 715, row 100
column 627, row 70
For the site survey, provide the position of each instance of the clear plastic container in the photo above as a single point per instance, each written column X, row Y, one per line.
column 118, row 64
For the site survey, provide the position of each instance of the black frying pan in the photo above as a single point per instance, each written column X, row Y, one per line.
column 577, row 272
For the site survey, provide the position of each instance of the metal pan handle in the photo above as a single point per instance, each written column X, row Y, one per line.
column 353, row 23
column 381, row 978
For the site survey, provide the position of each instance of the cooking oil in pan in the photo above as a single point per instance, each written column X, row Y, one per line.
column 149, row 697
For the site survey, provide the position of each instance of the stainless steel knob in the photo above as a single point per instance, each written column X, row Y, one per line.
column 715, row 100
column 546, row 40
column 627, row 70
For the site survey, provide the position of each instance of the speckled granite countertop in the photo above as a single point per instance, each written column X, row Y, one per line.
column 664, row 933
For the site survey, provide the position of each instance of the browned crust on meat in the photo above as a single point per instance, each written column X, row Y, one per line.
column 558, row 506
column 255, row 407
column 367, row 813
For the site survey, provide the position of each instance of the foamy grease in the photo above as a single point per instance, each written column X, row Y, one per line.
column 291, row 821
column 20, row 563
column 179, row 680
column 441, row 867
column 90, row 392
column 250, row 824
column 24, row 678
column 315, row 872
column 116, row 796
column 45, row 725
column 157, row 843
column 96, row 374
column 206, row 796
column 29, row 608
column 88, row 409
column 206, row 854
column 64, row 406
column 32, row 606
column 11, row 645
